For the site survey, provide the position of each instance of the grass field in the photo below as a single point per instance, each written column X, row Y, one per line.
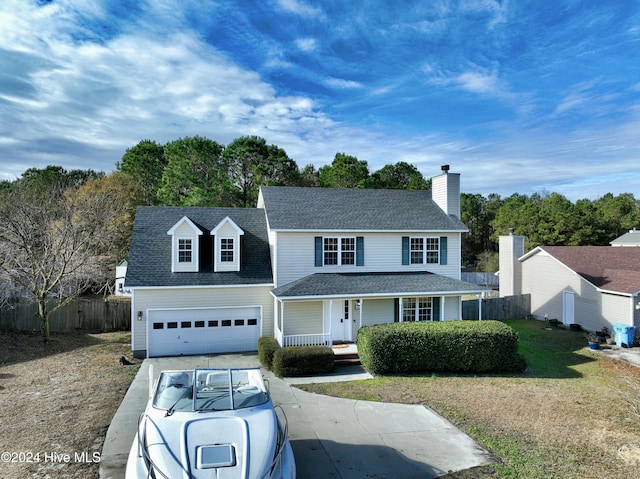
column 56, row 401
column 568, row 416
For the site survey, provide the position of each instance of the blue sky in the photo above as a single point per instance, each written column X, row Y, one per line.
column 517, row 96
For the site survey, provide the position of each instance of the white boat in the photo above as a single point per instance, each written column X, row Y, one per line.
column 228, row 429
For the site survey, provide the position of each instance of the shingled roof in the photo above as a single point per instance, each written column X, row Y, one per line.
column 631, row 238
column 150, row 255
column 348, row 209
column 373, row 284
column 606, row 267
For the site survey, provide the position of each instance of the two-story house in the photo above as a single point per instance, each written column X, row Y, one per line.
column 308, row 266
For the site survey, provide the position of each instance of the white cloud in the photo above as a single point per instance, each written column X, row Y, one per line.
column 299, row 8
column 478, row 82
column 110, row 96
column 306, row 44
column 343, row 84
column 499, row 9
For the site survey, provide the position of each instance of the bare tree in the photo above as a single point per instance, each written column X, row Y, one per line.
column 55, row 244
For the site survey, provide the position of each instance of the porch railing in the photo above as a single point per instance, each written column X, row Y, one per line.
column 307, row 340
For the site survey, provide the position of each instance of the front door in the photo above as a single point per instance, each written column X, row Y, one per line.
column 339, row 312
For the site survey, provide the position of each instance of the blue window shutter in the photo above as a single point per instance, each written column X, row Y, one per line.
column 436, row 308
column 318, row 250
column 405, row 250
column 443, row 250
column 359, row 250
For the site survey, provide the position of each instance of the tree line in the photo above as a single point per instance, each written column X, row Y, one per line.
column 197, row 171
column 544, row 219
column 63, row 232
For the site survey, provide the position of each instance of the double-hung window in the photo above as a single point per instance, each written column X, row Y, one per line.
column 339, row 251
column 424, row 250
column 226, row 250
column 417, row 309
column 185, row 250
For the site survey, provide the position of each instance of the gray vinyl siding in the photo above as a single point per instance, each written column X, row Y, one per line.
column 546, row 279
column 303, row 317
column 375, row 311
column 382, row 253
column 617, row 308
column 452, row 308
column 175, row 298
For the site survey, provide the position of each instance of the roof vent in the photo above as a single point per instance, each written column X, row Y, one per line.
column 445, row 168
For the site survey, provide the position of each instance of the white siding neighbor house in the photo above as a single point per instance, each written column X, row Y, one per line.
column 593, row 286
column 308, row 266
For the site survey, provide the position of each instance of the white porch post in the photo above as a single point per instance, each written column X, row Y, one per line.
column 479, row 306
column 400, row 310
column 361, row 308
column 282, row 321
column 330, row 322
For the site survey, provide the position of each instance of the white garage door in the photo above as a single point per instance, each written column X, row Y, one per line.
column 203, row 331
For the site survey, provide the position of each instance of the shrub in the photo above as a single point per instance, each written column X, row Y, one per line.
column 451, row 346
column 267, row 346
column 303, row 361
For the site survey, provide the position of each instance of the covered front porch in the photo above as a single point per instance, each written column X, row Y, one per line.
column 328, row 308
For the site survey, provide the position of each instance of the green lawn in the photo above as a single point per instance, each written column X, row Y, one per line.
column 565, row 417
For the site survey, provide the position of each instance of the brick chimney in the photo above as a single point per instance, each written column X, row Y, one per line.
column 445, row 191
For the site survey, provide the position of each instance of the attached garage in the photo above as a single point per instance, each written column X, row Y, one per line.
column 174, row 332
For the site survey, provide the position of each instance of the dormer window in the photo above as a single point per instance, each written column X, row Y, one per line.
column 226, row 250
column 185, row 250
column 184, row 246
column 226, row 254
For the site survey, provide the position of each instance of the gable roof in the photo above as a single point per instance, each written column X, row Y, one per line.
column 185, row 219
column 608, row 268
column 348, row 209
column 226, row 221
column 150, row 254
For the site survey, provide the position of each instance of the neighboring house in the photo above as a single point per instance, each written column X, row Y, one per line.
column 308, row 266
column 594, row 286
column 632, row 238
column 121, row 274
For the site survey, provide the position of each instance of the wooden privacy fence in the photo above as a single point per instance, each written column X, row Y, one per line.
column 507, row 307
column 87, row 314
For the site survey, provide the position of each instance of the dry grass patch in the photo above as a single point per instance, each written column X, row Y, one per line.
column 568, row 417
column 59, row 399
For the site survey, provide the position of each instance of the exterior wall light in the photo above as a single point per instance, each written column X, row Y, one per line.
column 139, row 315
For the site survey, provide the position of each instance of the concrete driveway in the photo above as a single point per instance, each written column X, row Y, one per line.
column 330, row 437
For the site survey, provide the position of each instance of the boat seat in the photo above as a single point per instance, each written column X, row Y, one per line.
column 216, row 380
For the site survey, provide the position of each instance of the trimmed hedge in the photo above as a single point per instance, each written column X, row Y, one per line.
column 267, row 346
column 303, row 361
column 448, row 346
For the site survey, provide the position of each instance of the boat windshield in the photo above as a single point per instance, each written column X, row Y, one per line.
column 216, row 390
